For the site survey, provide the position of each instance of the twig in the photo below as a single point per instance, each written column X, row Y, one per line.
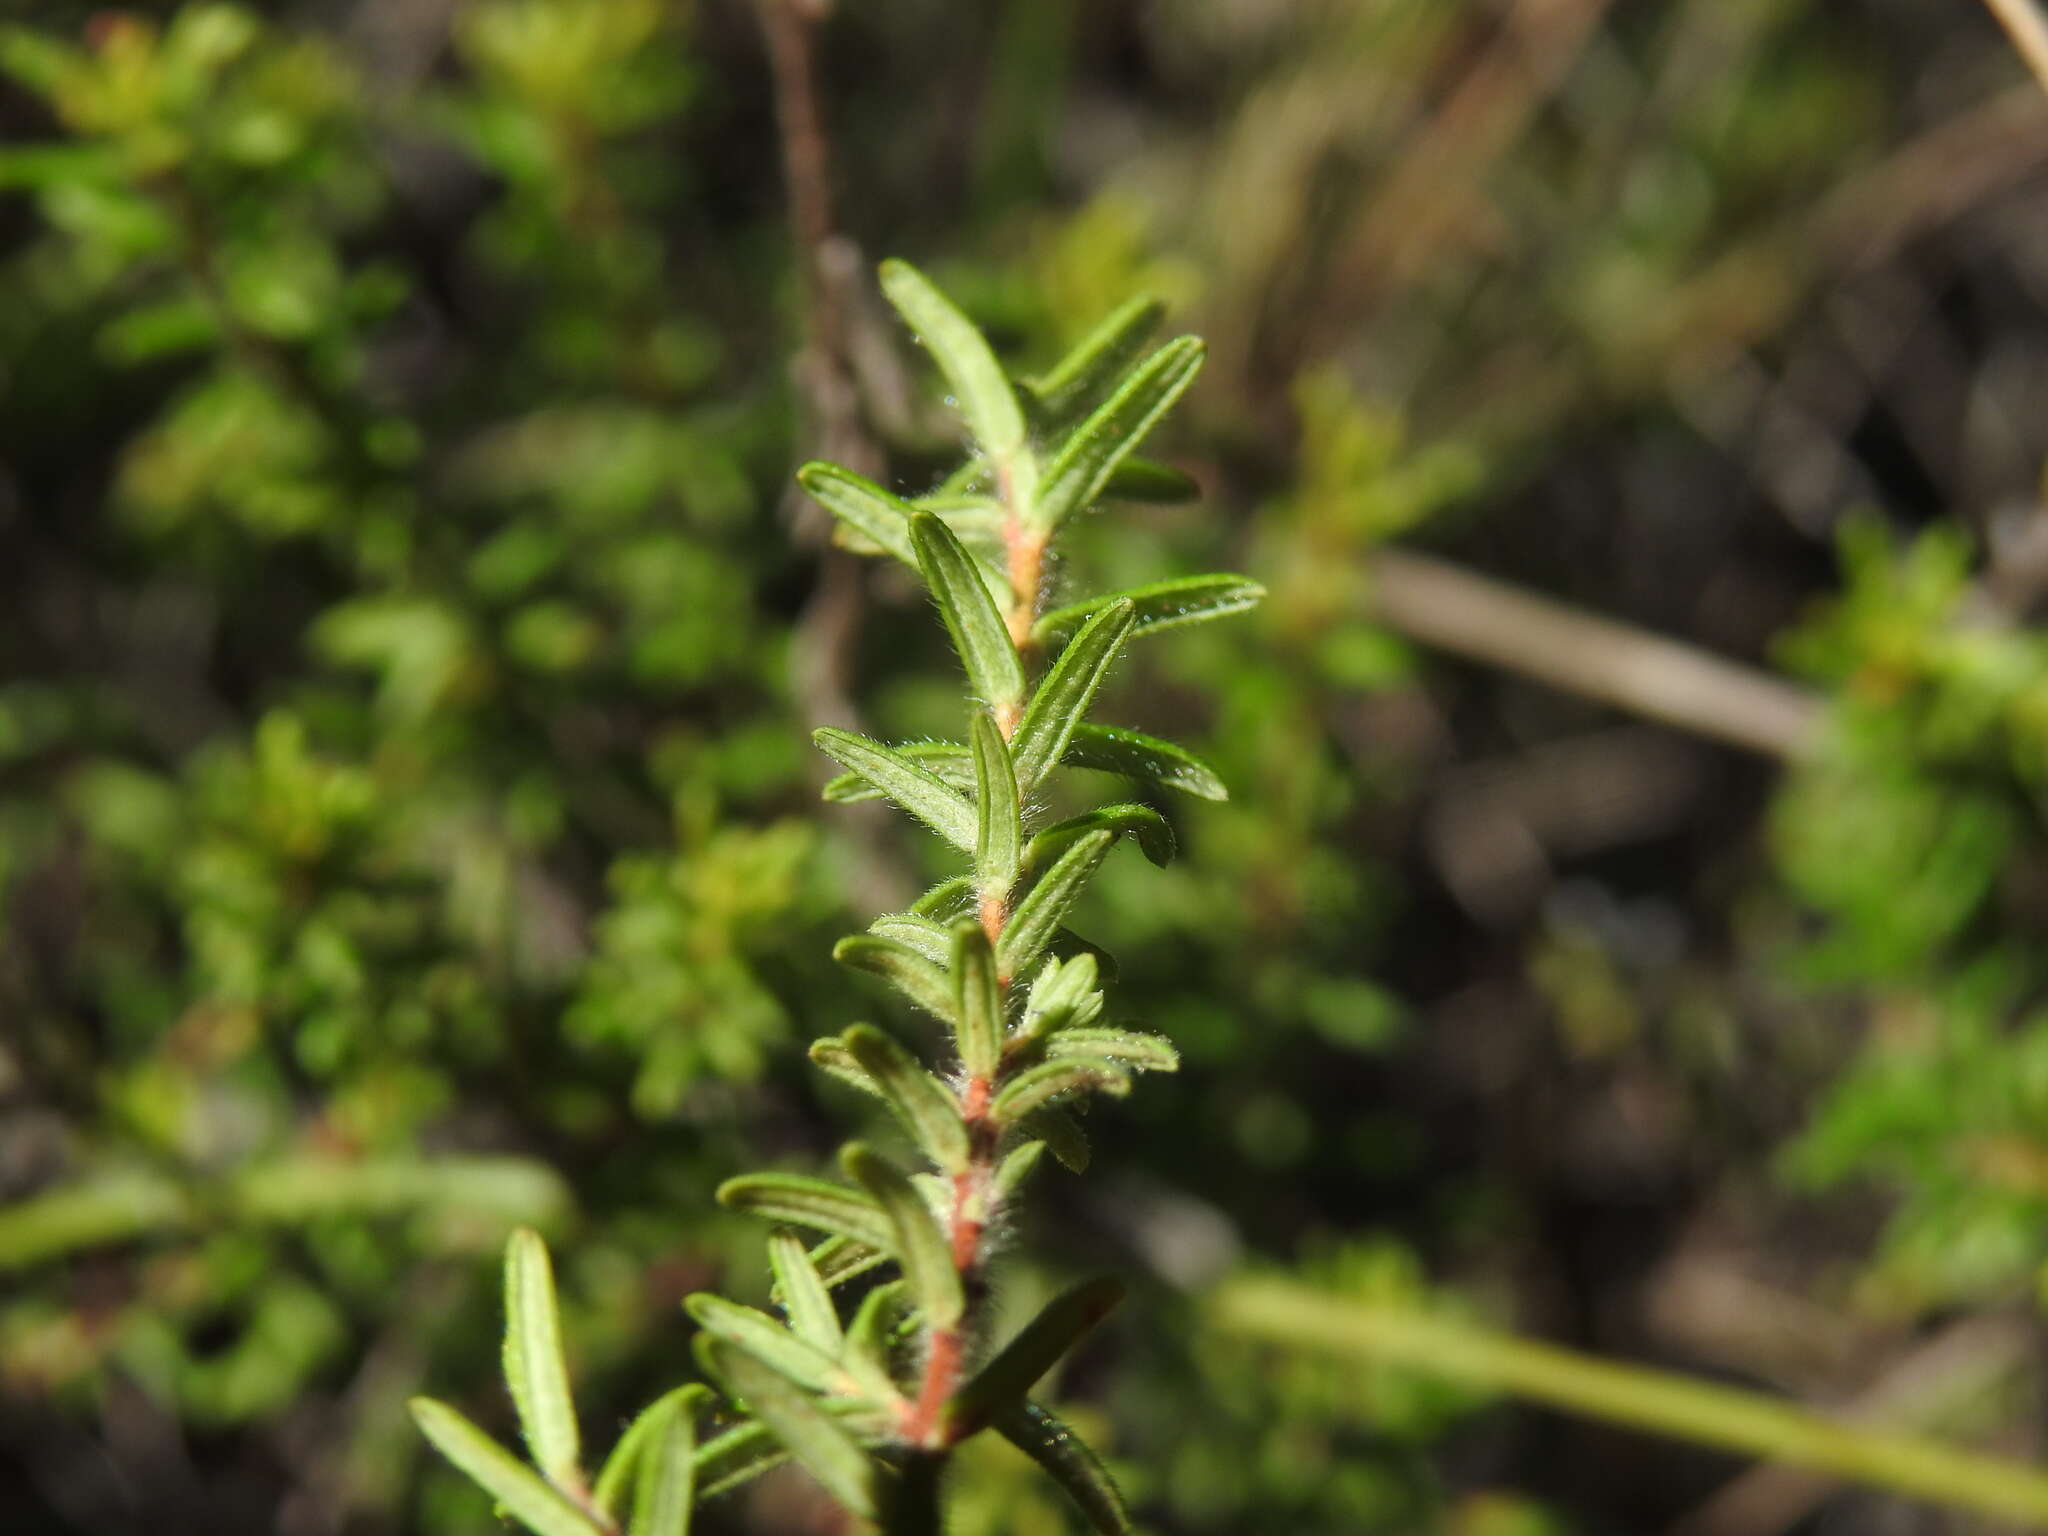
column 1659, row 1402
column 1438, row 179
column 827, row 633
column 1918, row 1391
column 2028, row 29
column 1435, row 602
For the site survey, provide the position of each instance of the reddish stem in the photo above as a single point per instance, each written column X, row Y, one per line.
column 966, row 1226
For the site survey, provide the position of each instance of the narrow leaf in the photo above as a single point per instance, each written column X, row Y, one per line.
column 1159, row 605
column 749, row 1448
column 870, row 1341
column 803, row 1202
column 921, row 1248
column 525, row 1497
column 1038, row 916
column 831, row 1056
column 1135, row 1049
column 999, row 1387
column 1040, row 1085
column 823, row 1447
column 1068, row 688
column 1117, row 426
column 1105, row 748
column 735, row 1456
column 1072, row 1464
column 1151, row 831
column 878, row 519
column 944, row 899
column 979, row 634
column 896, row 775
column 621, row 1467
column 802, row 1292
column 927, row 935
column 764, row 1338
column 1069, row 945
column 902, row 967
column 534, row 1367
column 977, row 379
column 979, row 1002
column 1111, row 749
column 840, row 1259
column 926, row 1106
column 1063, row 995
column 1062, row 1135
column 948, row 761
column 883, row 1312
column 1016, row 1167
column 1078, row 381
column 668, row 1476
column 1148, row 480
column 996, row 812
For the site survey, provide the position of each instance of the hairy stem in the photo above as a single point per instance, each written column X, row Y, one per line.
column 966, row 1223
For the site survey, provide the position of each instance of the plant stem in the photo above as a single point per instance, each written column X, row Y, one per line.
column 1657, row 1401
column 967, row 1220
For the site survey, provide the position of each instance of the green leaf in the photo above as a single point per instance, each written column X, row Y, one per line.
column 1134, row 1049
column 979, row 1001
column 945, row 899
column 830, row 1055
column 668, row 1475
column 525, row 1497
column 948, row 761
column 926, row 1106
column 928, row 936
column 902, row 967
column 804, row 1202
column 1080, row 379
column 916, row 789
column 1071, row 1463
column 1112, row 749
column 979, row 634
column 1152, row 832
column 1088, row 458
column 1063, row 995
column 763, row 1338
column 1061, row 1133
column 1037, row 917
column 1016, row 1167
column 1105, row 748
column 1159, row 605
column 804, row 1297
column 868, row 1351
column 735, row 1456
column 986, row 400
column 921, row 1248
column 996, row 811
column 749, row 1448
column 534, row 1367
column 1041, row 1085
column 1148, row 480
column 840, row 1259
column 883, row 1311
column 643, row 1433
column 820, row 1445
column 999, row 1387
column 878, row 519
column 1068, row 688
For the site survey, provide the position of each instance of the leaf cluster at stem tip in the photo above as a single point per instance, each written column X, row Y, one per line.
column 869, row 1397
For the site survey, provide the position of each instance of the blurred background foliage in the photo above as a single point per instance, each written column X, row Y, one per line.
column 405, row 830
